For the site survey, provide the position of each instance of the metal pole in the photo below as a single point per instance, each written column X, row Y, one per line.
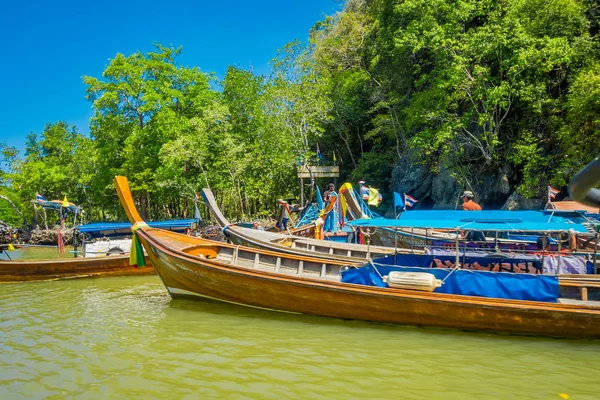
column 368, row 244
column 75, row 247
column 301, row 192
column 496, row 242
column 457, row 252
column 543, row 251
column 595, row 251
column 559, row 249
column 395, row 246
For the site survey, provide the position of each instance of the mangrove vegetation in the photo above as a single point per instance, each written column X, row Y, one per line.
column 472, row 91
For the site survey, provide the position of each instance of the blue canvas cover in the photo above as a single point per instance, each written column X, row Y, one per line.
column 502, row 285
column 99, row 229
column 475, row 221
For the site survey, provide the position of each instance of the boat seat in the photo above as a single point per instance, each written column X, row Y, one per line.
column 202, row 250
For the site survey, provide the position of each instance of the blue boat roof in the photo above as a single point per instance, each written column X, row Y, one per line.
column 124, row 228
column 505, row 221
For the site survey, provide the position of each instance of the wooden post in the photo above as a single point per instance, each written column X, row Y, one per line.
column 45, row 218
column 36, row 224
column 314, row 171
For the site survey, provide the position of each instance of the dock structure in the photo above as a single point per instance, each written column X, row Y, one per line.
column 315, row 171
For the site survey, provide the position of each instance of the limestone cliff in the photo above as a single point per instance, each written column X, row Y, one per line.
column 441, row 190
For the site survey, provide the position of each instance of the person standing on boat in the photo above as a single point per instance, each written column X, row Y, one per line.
column 330, row 199
column 284, row 215
column 327, row 194
column 364, row 191
column 468, row 203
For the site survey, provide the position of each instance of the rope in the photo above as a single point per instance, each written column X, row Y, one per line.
column 375, row 268
column 451, row 272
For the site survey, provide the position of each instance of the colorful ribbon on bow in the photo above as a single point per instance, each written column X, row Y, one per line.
column 136, row 254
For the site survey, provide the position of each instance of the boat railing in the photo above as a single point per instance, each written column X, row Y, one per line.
column 460, row 250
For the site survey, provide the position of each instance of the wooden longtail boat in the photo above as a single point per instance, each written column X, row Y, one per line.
column 69, row 268
column 252, row 277
column 296, row 241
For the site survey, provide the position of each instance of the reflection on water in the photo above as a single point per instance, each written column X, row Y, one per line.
column 37, row 253
column 125, row 337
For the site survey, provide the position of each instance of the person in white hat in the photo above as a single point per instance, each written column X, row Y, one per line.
column 364, row 191
column 468, row 203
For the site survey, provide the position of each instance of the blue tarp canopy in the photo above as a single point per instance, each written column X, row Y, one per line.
column 524, row 216
column 503, row 221
column 124, row 228
column 503, row 285
column 57, row 205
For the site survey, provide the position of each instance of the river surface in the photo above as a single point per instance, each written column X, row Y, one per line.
column 126, row 338
column 37, row 253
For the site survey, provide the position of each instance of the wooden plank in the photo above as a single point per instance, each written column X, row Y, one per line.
column 278, row 264
column 318, row 171
column 256, row 260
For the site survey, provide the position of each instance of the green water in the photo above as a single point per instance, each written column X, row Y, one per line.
column 37, row 253
column 125, row 338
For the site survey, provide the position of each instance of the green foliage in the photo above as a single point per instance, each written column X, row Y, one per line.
column 58, row 163
column 467, row 86
column 7, row 212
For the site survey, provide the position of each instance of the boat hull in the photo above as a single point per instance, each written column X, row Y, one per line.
column 39, row 270
column 185, row 274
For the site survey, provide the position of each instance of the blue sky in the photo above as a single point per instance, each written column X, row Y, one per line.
column 47, row 46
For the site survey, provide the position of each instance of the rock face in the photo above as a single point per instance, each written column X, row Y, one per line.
column 50, row 236
column 518, row 202
column 6, row 232
column 442, row 191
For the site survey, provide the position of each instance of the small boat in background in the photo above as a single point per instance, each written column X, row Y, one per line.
column 295, row 241
column 190, row 266
column 105, row 252
column 110, row 238
column 69, row 268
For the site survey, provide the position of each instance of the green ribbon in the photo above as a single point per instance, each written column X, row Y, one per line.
column 136, row 254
